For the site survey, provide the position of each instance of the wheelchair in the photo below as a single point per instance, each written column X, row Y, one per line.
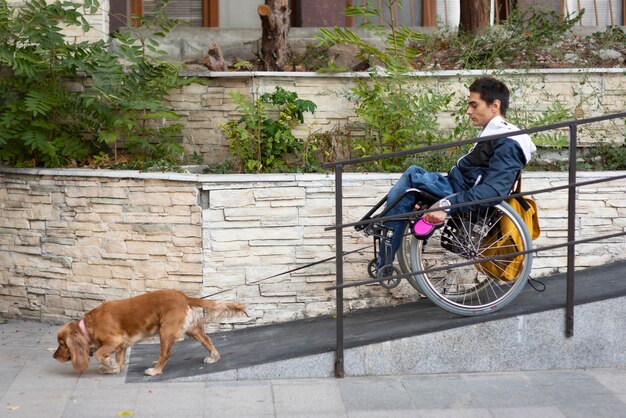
column 440, row 267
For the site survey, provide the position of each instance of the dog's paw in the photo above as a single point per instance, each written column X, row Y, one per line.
column 210, row 359
column 108, row 370
column 152, row 372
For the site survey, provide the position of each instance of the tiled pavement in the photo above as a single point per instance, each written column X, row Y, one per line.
column 33, row 384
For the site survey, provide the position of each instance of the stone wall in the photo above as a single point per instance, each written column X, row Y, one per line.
column 585, row 93
column 68, row 243
column 70, row 239
column 99, row 22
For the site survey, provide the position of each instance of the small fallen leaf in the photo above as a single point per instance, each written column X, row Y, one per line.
column 125, row 414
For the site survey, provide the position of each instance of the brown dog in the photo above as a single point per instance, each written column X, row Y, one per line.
column 113, row 326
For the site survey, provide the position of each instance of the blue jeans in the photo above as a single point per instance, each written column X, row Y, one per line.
column 413, row 178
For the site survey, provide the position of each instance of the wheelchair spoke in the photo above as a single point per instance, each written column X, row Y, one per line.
column 480, row 288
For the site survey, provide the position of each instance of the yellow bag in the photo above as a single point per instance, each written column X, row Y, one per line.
column 529, row 214
column 505, row 239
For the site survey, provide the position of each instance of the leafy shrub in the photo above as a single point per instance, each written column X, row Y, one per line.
column 261, row 139
column 612, row 37
column 523, row 39
column 555, row 112
column 67, row 104
column 521, row 34
column 395, row 117
column 604, row 157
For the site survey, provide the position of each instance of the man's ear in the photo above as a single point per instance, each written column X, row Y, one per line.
column 496, row 106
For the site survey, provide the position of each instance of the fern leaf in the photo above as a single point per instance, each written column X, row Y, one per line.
column 37, row 103
column 36, row 141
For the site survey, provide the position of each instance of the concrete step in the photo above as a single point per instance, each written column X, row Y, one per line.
column 528, row 334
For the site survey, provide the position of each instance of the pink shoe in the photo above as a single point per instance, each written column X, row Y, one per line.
column 423, row 229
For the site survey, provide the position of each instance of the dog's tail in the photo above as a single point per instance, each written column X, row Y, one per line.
column 217, row 308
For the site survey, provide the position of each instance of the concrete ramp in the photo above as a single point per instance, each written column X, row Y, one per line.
column 528, row 334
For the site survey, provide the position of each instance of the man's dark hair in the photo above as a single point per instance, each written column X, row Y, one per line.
column 490, row 90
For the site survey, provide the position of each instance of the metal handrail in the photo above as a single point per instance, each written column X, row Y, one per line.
column 543, row 128
column 572, row 126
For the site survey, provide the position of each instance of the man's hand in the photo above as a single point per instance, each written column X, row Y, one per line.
column 436, row 217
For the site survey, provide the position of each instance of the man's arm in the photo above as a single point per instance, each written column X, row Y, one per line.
column 507, row 160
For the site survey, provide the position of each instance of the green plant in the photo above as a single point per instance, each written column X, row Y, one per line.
column 142, row 122
column 315, row 58
column 224, row 167
column 323, row 147
column 556, row 112
column 397, row 40
column 261, row 140
column 612, row 37
column 605, row 157
column 523, row 39
column 68, row 104
column 435, row 161
column 396, row 116
column 521, row 34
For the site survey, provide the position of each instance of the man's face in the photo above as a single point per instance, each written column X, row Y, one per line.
column 479, row 111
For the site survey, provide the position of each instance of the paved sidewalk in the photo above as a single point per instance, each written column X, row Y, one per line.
column 33, row 384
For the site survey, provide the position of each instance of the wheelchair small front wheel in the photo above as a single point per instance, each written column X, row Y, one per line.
column 371, row 268
column 480, row 288
column 388, row 277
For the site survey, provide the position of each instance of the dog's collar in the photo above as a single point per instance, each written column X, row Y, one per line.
column 83, row 329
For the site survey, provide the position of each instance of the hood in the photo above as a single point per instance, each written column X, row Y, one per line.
column 498, row 125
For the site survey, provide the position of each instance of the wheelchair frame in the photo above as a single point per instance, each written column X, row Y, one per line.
column 459, row 302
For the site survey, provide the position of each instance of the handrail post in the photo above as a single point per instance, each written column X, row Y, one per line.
column 571, row 233
column 339, row 369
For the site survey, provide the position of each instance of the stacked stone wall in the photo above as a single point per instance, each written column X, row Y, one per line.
column 70, row 239
column 208, row 105
column 69, row 243
column 585, row 93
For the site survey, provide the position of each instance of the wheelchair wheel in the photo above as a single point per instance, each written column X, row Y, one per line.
column 404, row 255
column 474, row 289
column 404, row 258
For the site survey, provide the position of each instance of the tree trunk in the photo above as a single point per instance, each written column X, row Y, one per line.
column 274, row 16
column 214, row 60
column 474, row 16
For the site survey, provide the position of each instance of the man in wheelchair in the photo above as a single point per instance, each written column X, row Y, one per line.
column 488, row 170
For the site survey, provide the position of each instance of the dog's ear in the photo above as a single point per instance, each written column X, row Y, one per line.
column 79, row 349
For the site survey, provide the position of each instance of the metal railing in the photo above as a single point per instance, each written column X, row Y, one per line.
column 572, row 127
